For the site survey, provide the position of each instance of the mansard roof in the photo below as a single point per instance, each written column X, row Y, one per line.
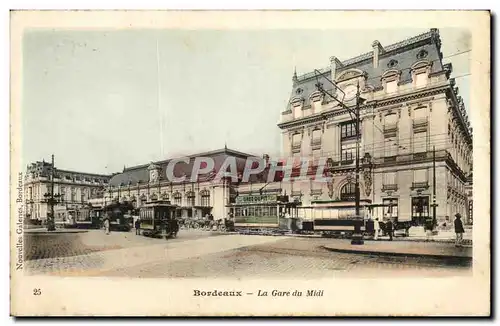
column 140, row 173
column 400, row 56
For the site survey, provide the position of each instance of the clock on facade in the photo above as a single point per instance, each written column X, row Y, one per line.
column 350, row 92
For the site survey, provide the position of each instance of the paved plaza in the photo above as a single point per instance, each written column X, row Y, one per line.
column 216, row 255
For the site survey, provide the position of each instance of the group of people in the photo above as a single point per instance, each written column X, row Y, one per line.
column 389, row 229
column 377, row 230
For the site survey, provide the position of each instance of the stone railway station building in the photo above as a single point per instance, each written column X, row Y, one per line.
column 411, row 110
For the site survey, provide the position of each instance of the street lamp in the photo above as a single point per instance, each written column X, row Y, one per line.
column 52, row 199
column 357, row 237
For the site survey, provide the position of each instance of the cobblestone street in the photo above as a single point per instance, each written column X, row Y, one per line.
column 209, row 255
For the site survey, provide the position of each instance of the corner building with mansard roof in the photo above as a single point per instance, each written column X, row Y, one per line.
column 410, row 107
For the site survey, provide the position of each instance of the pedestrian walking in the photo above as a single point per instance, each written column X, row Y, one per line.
column 138, row 227
column 428, row 229
column 389, row 227
column 106, row 225
column 459, row 230
column 376, row 228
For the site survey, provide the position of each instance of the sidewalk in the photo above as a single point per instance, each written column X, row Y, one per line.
column 57, row 230
column 401, row 248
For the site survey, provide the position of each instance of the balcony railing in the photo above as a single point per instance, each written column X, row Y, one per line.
column 420, row 156
column 391, row 128
column 389, row 187
column 388, row 159
column 422, row 184
column 347, row 162
column 421, row 122
column 296, row 147
column 316, row 192
column 316, row 141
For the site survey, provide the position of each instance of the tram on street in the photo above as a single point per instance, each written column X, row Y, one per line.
column 265, row 213
column 116, row 212
column 157, row 219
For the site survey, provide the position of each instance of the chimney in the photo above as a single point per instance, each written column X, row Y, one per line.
column 377, row 51
column 334, row 64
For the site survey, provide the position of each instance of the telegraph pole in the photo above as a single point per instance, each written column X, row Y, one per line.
column 357, row 237
column 434, row 205
column 51, row 223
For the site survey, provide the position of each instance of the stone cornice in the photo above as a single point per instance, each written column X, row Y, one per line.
column 369, row 104
column 457, row 114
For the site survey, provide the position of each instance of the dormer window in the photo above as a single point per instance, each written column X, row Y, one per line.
column 390, row 80
column 420, row 73
column 297, row 104
column 421, row 80
column 315, row 99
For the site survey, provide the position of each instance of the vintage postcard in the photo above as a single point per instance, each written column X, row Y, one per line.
column 250, row 163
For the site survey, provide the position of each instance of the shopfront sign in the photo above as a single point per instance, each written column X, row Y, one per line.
column 256, row 199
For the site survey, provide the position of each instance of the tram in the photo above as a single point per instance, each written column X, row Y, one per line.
column 264, row 213
column 117, row 214
column 157, row 219
column 274, row 213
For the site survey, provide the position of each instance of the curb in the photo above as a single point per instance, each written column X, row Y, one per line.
column 397, row 254
column 53, row 232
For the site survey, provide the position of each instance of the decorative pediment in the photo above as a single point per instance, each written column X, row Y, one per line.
column 349, row 74
column 421, row 66
column 297, row 101
column 316, row 96
column 391, row 74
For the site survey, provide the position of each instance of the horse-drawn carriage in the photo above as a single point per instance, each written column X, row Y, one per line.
column 157, row 219
column 205, row 224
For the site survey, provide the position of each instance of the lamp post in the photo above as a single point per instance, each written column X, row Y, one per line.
column 357, row 237
column 52, row 199
column 434, row 204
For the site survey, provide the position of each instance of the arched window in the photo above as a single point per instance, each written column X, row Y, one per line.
column 190, row 197
column 178, row 198
column 205, row 198
column 348, row 192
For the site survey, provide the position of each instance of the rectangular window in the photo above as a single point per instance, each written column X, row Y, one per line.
column 420, row 142
column 390, row 178
column 390, row 148
column 297, row 111
column 296, row 143
column 348, row 152
column 348, row 130
column 420, row 176
column 421, row 80
column 390, row 121
column 316, row 138
column 317, row 105
column 391, row 87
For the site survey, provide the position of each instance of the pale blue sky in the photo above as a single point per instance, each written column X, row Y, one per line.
column 90, row 97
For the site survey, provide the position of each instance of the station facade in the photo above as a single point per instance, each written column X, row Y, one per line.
column 412, row 120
